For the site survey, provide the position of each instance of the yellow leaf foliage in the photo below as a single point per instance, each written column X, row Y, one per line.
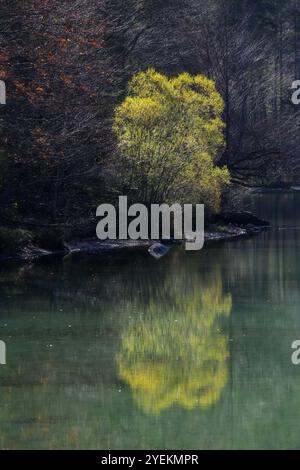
column 171, row 131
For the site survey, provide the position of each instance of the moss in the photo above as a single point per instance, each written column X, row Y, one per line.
column 223, row 228
column 13, row 240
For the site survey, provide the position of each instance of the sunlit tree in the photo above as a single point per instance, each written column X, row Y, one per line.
column 171, row 130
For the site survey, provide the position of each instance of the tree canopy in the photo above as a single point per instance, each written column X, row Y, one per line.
column 170, row 130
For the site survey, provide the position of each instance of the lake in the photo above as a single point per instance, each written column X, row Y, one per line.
column 122, row 351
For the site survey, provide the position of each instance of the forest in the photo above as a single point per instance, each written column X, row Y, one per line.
column 157, row 100
column 134, row 133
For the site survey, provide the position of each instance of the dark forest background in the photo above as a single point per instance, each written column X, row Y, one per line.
column 66, row 65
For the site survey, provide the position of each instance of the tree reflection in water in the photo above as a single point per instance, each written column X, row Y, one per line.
column 176, row 354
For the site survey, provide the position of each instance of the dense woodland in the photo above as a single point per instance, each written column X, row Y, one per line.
column 67, row 65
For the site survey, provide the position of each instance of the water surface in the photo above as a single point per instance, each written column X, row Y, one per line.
column 126, row 352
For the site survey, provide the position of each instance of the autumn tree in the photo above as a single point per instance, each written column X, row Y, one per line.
column 60, row 79
column 170, row 130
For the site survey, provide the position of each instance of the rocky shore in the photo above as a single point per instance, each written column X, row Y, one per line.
column 226, row 226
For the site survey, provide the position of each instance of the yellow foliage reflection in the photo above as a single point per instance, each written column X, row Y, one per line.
column 178, row 355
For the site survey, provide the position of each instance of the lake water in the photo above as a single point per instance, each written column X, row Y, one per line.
column 126, row 352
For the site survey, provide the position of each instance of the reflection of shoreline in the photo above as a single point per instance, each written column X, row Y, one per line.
column 178, row 356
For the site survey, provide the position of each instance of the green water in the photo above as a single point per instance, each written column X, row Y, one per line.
column 126, row 352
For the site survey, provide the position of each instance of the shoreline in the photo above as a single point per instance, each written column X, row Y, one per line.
column 213, row 235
